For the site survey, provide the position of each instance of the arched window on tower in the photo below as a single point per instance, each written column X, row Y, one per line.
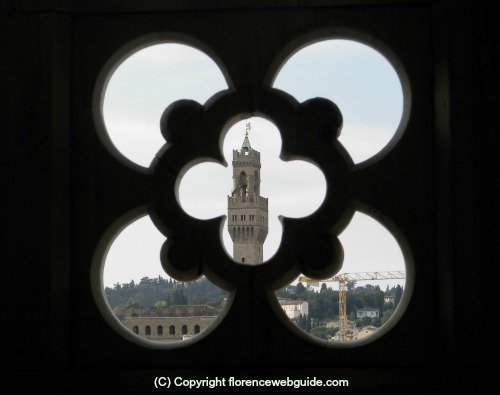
column 196, row 329
column 147, row 330
column 159, row 330
column 242, row 184
column 184, row 329
column 136, row 329
column 171, row 330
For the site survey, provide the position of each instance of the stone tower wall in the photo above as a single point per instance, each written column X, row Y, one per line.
column 247, row 210
column 249, row 164
column 248, row 253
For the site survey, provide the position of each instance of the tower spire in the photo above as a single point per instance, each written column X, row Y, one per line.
column 246, row 147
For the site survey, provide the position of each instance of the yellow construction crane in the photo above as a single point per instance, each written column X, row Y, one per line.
column 346, row 278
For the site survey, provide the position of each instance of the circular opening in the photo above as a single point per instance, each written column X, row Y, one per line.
column 142, row 85
column 253, row 191
column 364, row 300
column 140, row 301
column 360, row 80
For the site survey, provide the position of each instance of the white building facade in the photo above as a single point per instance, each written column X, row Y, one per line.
column 294, row 308
column 367, row 312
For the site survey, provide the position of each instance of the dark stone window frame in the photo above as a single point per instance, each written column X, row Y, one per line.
column 346, row 208
column 60, row 181
column 302, row 22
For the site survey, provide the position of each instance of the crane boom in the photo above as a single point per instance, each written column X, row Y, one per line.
column 368, row 276
column 343, row 279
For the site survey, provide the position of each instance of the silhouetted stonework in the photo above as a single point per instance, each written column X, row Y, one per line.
column 435, row 182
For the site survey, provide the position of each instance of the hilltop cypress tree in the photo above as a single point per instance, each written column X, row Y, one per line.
column 398, row 294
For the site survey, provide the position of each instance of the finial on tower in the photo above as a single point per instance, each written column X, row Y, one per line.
column 246, row 147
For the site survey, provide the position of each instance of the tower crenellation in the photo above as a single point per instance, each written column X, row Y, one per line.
column 247, row 210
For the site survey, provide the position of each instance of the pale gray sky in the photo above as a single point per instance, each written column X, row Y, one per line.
column 357, row 78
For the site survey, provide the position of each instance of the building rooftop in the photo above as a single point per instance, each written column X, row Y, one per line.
column 168, row 311
column 289, row 301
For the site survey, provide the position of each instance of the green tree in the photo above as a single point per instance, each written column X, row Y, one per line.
column 300, row 289
column 380, row 302
column 365, row 321
column 351, row 316
column 323, row 332
column 307, row 324
column 397, row 295
column 387, row 314
column 179, row 298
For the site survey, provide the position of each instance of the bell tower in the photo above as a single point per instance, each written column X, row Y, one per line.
column 247, row 210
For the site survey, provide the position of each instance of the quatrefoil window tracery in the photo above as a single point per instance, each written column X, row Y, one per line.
column 310, row 130
column 296, row 188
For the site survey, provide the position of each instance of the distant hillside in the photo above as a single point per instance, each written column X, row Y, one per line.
column 159, row 296
column 161, row 292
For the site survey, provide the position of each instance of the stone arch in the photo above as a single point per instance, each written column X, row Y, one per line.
column 135, row 329
column 242, row 184
column 234, row 233
column 159, row 330
column 171, row 330
column 184, row 329
column 147, row 330
column 196, row 329
column 242, row 179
